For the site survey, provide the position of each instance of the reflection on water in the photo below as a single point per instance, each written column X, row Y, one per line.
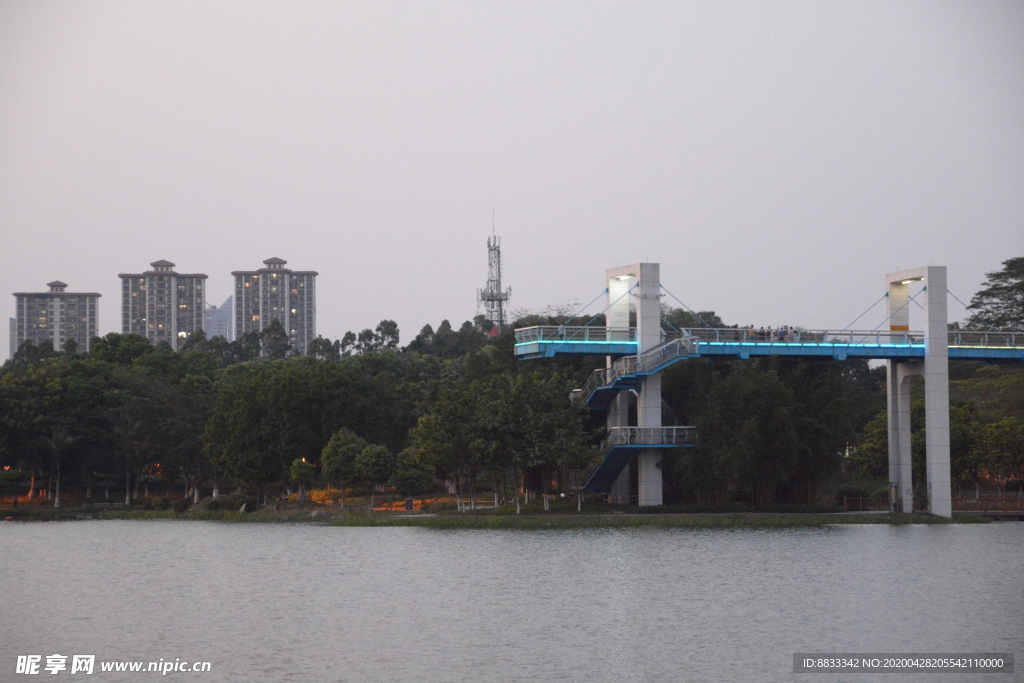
column 305, row 603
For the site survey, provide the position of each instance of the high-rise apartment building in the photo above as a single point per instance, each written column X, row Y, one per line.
column 162, row 305
column 219, row 321
column 276, row 292
column 56, row 315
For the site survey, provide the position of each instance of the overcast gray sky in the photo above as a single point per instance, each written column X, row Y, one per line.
column 777, row 159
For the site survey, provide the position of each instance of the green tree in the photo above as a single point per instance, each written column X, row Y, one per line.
column 275, row 340
column 121, row 349
column 347, row 344
column 411, row 475
column 249, row 347
column 680, row 318
column 870, row 458
column 374, row 465
column 59, row 440
column 338, row 459
column 748, row 435
column 450, row 435
column 386, row 335
column 30, row 354
column 302, row 474
column 324, row 349
column 70, row 349
column 196, row 341
column 1004, row 447
column 966, row 445
column 1000, row 302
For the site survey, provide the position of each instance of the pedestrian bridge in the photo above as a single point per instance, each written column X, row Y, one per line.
column 549, row 341
column 627, row 371
column 638, row 354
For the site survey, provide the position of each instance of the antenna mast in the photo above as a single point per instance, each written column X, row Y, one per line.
column 493, row 297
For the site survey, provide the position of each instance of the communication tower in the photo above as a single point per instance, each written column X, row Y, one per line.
column 493, row 297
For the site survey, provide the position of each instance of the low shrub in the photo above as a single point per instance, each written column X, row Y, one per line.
column 851, row 492
column 441, row 505
column 231, row 502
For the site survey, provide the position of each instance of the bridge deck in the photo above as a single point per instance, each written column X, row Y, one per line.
column 547, row 342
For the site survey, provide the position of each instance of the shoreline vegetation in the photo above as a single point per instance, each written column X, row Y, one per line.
column 349, row 422
column 502, row 518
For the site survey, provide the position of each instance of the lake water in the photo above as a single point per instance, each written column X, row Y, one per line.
column 268, row 602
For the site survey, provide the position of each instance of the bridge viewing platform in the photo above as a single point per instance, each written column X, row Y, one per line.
column 745, row 343
column 629, row 387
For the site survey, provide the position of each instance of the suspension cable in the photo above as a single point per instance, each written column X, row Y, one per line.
column 864, row 313
column 706, row 323
column 890, row 317
column 987, row 323
column 587, row 306
column 609, row 306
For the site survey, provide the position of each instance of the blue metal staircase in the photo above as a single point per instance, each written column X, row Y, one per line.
column 625, row 442
column 603, row 384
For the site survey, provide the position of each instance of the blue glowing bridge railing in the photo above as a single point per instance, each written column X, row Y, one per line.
column 851, row 337
column 554, row 333
column 651, row 436
column 748, row 335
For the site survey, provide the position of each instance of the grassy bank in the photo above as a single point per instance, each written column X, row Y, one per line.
column 478, row 520
column 701, row 521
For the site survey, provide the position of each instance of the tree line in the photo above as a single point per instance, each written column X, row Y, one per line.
column 453, row 409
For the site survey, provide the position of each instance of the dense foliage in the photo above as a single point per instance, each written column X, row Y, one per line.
column 1000, row 302
column 455, row 410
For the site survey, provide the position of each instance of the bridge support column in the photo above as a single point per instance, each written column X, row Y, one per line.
column 901, row 482
column 648, row 474
column 617, row 317
column 936, row 384
column 618, row 416
column 648, row 335
column 648, row 471
column 936, row 393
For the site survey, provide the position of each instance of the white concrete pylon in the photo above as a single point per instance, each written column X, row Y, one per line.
column 935, row 371
column 617, row 322
column 647, row 279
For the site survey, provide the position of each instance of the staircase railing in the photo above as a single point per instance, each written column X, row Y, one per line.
column 597, row 379
column 631, row 365
column 651, row 436
column 677, row 348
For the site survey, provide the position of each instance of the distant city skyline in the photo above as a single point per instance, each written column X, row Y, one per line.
column 164, row 305
column 274, row 292
column 57, row 316
column 161, row 304
column 776, row 160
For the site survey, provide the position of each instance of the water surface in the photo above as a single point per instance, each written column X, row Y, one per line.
column 273, row 602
